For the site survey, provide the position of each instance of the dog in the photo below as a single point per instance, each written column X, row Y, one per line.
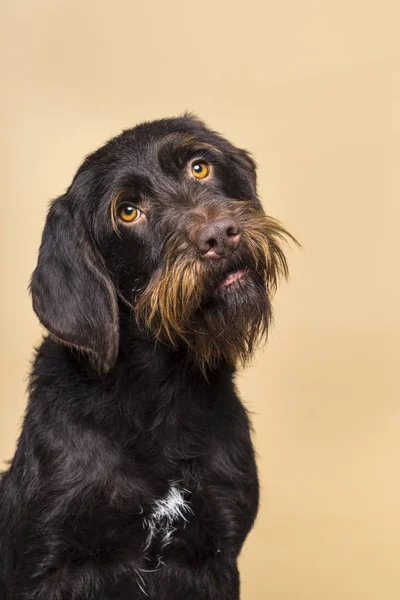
column 135, row 476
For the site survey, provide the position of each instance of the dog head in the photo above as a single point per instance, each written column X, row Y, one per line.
column 164, row 219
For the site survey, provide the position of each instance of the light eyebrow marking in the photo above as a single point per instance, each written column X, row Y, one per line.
column 192, row 141
column 113, row 208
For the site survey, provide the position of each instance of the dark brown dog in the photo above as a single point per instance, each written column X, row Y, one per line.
column 134, row 475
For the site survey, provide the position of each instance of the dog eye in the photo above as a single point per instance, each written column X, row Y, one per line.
column 128, row 213
column 200, row 170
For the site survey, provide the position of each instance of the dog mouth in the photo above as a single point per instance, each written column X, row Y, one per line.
column 233, row 279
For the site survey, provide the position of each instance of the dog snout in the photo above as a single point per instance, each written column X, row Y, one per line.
column 217, row 238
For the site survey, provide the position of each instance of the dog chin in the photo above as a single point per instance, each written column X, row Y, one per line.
column 232, row 322
column 240, row 295
column 242, row 283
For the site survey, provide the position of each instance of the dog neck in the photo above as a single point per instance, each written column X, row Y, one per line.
column 139, row 352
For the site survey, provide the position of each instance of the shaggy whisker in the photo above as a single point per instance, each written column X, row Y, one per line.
column 171, row 305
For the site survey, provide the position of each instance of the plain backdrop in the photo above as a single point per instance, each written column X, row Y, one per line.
column 312, row 89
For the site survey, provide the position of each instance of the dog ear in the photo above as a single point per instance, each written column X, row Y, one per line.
column 72, row 293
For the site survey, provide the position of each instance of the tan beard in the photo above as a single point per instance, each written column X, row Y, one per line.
column 167, row 306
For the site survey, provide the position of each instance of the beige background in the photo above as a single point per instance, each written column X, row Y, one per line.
column 312, row 88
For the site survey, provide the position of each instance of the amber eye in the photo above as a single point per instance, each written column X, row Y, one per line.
column 128, row 213
column 200, row 170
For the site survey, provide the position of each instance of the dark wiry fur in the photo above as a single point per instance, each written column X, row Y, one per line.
column 133, row 390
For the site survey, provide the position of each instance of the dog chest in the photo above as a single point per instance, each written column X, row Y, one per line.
column 168, row 514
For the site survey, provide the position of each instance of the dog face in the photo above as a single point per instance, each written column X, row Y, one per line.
column 164, row 218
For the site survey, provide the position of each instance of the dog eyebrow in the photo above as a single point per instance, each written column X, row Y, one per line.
column 177, row 148
column 190, row 141
column 113, row 207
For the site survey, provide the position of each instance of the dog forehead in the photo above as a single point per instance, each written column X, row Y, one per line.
column 149, row 144
column 145, row 136
column 150, row 161
column 153, row 157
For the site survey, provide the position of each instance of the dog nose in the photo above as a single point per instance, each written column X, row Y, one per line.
column 217, row 238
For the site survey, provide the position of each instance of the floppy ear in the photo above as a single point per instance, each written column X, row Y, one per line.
column 72, row 293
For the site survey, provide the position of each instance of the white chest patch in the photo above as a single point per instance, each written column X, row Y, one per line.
column 167, row 514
